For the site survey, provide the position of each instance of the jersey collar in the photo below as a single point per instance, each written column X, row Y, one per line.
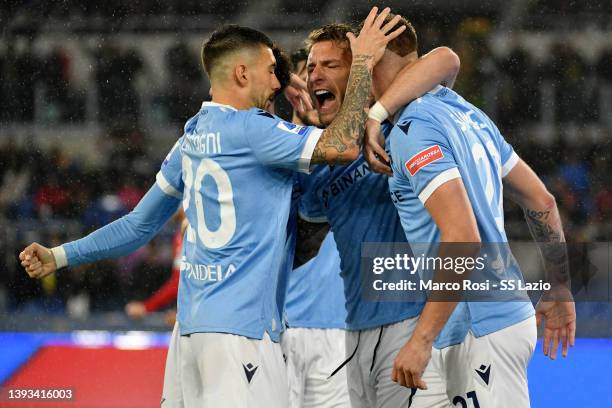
column 218, row 105
column 435, row 89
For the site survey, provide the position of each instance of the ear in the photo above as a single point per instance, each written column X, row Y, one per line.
column 241, row 73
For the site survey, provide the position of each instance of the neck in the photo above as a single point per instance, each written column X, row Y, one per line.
column 391, row 70
column 231, row 97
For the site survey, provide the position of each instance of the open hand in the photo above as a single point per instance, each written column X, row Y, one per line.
column 374, row 36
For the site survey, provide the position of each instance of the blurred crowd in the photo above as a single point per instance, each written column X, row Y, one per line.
column 515, row 88
column 50, row 197
column 40, row 87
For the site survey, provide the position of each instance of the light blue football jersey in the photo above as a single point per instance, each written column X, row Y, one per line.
column 233, row 170
column 356, row 203
column 437, row 138
column 315, row 296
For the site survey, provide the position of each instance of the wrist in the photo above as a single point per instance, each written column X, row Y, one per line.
column 378, row 112
column 364, row 60
column 424, row 337
column 59, row 256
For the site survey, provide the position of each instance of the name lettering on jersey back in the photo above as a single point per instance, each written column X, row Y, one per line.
column 212, row 273
column 344, row 182
column 465, row 121
column 204, row 143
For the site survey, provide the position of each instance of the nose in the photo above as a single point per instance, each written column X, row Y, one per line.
column 275, row 84
column 314, row 75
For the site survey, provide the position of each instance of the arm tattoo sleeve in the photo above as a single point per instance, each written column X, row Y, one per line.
column 546, row 229
column 346, row 131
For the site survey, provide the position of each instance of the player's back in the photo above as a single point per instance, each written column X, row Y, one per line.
column 235, row 168
column 477, row 148
column 439, row 137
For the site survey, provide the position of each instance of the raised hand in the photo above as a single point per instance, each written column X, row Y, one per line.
column 374, row 36
column 299, row 98
column 37, row 260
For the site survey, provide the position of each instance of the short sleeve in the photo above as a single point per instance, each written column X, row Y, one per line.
column 508, row 156
column 421, row 155
column 310, row 207
column 169, row 178
column 278, row 143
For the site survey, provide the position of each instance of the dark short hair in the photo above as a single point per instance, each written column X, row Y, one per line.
column 228, row 39
column 282, row 69
column 335, row 32
column 297, row 57
column 403, row 45
column 406, row 42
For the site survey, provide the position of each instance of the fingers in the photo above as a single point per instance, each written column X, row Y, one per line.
column 387, row 27
column 297, row 82
column 376, row 162
column 28, row 252
column 380, row 19
column 292, row 95
column 417, row 382
column 401, row 378
column 546, row 341
column 308, row 106
column 370, row 18
column 572, row 333
column 555, row 344
column 382, row 154
column 34, row 270
column 564, row 341
column 395, row 33
column 351, row 37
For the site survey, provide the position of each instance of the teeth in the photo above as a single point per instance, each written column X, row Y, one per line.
column 321, row 92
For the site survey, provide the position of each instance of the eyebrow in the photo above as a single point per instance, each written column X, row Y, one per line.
column 324, row 62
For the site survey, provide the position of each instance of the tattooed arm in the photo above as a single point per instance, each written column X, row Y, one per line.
column 341, row 141
column 525, row 188
column 556, row 308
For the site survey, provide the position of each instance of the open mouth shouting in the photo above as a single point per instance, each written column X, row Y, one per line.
column 325, row 101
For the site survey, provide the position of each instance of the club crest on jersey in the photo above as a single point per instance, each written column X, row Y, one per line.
column 423, row 158
column 292, row 128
